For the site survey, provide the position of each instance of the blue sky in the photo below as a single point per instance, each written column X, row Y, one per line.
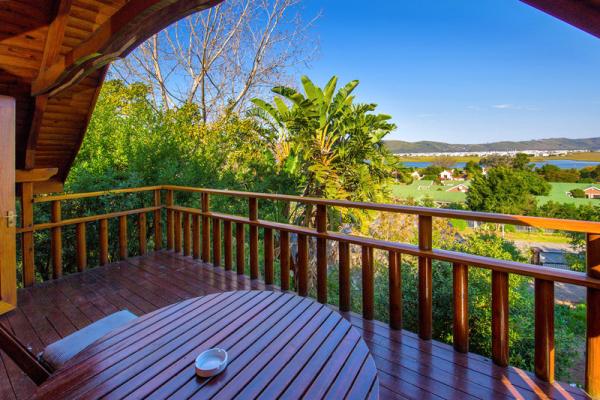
column 462, row 71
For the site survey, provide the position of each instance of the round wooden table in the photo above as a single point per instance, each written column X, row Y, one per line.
column 279, row 345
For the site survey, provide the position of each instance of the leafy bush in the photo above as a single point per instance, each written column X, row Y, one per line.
column 577, row 193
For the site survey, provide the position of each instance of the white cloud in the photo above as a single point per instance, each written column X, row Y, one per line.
column 503, row 106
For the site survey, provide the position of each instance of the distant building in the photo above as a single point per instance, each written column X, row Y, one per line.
column 446, row 175
column 592, row 192
column 462, row 188
column 416, row 176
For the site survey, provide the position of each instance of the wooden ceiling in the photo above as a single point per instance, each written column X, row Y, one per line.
column 54, row 55
column 53, row 59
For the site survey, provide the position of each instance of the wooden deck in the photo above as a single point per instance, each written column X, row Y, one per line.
column 408, row 367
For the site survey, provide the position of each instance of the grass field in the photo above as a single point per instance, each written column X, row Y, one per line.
column 420, row 190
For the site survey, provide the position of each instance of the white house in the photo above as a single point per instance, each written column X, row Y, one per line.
column 446, row 175
column 416, row 176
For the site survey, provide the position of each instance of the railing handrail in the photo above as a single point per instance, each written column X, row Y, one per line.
column 569, row 225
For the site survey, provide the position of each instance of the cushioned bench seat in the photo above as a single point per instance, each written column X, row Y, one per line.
column 59, row 352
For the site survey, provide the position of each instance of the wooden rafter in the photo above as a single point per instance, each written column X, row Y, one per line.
column 584, row 14
column 127, row 28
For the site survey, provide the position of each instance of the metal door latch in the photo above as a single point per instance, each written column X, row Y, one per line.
column 11, row 219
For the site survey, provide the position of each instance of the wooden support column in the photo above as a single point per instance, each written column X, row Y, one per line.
column 80, row 232
column 227, row 244
column 284, row 259
column 196, row 236
column 157, row 221
column 460, row 327
column 302, row 271
column 240, row 248
column 321, row 224
column 268, row 253
column 368, row 284
column 169, row 201
column 205, row 204
column 216, row 231
column 177, row 231
column 395, row 282
column 123, row 253
column 592, row 371
column 56, row 241
column 425, row 279
column 142, row 232
column 500, row 318
column 544, row 330
column 187, row 240
column 103, row 241
column 253, row 216
column 27, row 238
column 344, row 275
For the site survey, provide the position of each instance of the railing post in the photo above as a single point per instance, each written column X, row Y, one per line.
column 368, row 294
column 253, row 216
column 240, row 257
column 284, row 259
column 187, row 241
column 157, row 221
column 500, row 318
column 344, row 275
column 592, row 372
column 460, row 327
column 268, row 256
column 395, row 282
column 227, row 244
column 544, row 330
column 321, row 225
column 103, row 231
column 177, row 231
column 80, row 232
column 169, row 203
column 123, row 237
column 216, row 230
column 205, row 200
column 425, row 278
column 56, row 242
column 196, row 236
column 27, row 239
column 302, row 277
column 142, row 233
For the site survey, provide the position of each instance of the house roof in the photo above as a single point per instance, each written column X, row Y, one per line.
column 54, row 55
column 53, row 59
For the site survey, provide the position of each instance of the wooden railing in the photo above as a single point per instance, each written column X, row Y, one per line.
column 188, row 230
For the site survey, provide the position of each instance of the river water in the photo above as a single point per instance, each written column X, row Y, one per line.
column 564, row 164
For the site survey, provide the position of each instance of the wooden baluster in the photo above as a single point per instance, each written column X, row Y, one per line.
column 284, row 259
column 302, row 267
column 80, row 232
column 56, row 242
column 103, row 241
column 227, row 244
column 142, row 233
column 123, row 237
column 368, row 294
column 321, row 225
column 425, row 278
column 205, row 200
column 460, row 328
column 177, row 231
column 500, row 318
column 592, row 372
column 344, row 275
column 187, row 240
column 268, row 249
column 157, row 221
column 240, row 248
column 216, row 225
column 544, row 330
column 27, row 238
column 253, row 216
column 196, row 236
column 169, row 201
column 395, row 282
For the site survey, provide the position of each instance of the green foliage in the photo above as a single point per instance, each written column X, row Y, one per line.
column 552, row 173
column 577, row 193
column 506, row 190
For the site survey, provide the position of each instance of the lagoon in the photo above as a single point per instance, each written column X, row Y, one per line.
column 563, row 164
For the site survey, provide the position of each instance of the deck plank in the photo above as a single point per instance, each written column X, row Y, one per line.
column 408, row 367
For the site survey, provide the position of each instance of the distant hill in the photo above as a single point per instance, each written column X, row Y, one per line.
column 399, row 146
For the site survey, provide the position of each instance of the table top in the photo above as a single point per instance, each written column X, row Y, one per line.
column 279, row 344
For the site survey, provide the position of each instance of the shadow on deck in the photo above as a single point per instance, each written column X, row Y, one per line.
column 408, row 367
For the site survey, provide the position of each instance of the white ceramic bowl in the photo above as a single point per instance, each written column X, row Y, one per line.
column 211, row 362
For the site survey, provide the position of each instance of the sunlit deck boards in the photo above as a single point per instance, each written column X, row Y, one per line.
column 408, row 367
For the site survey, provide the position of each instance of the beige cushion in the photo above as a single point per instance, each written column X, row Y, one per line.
column 58, row 353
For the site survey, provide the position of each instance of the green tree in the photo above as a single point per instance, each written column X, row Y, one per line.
column 578, row 193
column 505, row 190
column 521, row 161
column 552, row 173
